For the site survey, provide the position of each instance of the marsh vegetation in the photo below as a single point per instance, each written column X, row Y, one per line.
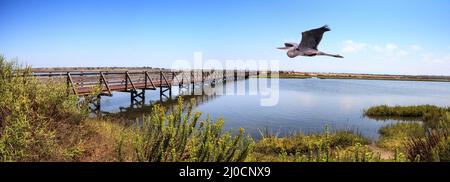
column 425, row 139
column 43, row 122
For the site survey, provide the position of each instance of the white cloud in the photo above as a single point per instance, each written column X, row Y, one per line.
column 391, row 47
column 403, row 53
column 393, row 52
column 437, row 59
column 415, row 47
column 377, row 48
column 351, row 46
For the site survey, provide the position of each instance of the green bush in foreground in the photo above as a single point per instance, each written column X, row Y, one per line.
column 29, row 112
column 182, row 137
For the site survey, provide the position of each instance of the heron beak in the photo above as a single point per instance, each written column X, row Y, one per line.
column 282, row 48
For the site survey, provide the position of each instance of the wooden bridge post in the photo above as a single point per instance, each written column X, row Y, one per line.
column 145, row 78
column 235, row 75
column 180, row 84
column 160, row 82
column 192, row 79
column 203, row 78
column 170, row 84
column 203, row 82
column 224, row 76
column 100, row 81
column 213, row 77
column 68, row 83
column 126, row 80
column 132, row 97
column 173, row 76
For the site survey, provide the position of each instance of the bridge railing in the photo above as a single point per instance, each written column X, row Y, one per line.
column 83, row 83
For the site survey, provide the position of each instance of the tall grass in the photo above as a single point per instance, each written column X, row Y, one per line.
column 181, row 136
column 394, row 135
column 433, row 146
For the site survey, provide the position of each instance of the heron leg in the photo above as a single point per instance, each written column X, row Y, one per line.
column 332, row 55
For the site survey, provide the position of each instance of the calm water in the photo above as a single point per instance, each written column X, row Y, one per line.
column 305, row 105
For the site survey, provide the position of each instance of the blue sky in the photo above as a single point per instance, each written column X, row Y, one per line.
column 384, row 36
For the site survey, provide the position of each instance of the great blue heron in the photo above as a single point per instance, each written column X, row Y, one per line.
column 308, row 45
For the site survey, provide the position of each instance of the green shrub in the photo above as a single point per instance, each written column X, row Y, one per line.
column 29, row 112
column 182, row 137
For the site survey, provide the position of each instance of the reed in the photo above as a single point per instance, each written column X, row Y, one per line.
column 433, row 146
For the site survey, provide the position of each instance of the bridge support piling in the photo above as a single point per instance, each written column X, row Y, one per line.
column 164, row 87
column 137, row 98
column 192, row 79
column 224, row 76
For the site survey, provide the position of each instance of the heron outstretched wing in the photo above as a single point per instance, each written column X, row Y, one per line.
column 312, row 38
column 290, row 44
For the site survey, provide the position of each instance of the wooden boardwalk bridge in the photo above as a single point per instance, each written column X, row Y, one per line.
column 137, row 81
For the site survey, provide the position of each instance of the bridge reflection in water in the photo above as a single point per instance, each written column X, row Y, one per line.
column 105, row 82
column 201, row 94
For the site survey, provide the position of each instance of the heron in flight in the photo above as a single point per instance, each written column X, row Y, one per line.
column 308, row 44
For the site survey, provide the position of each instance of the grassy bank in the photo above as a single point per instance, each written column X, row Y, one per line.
column 426, row 138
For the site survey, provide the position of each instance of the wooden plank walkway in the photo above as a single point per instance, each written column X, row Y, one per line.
column 84, row 83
